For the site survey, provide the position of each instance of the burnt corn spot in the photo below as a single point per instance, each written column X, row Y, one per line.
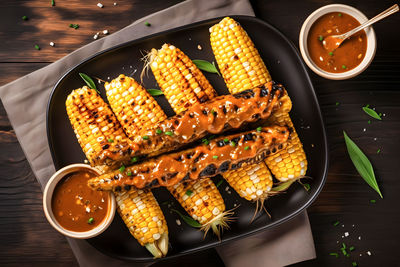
column 256, row 116
column 194, row 169
column 198, row 157
column 204, row 112
column 127, row 187
column 224, row 110
column 117, row 188
column 203, row 99
column 176, row 122
column 220, row 143
column 106, row 146
column 189, row 155
column 116, row 177
column 280, row 146
column 224, row 166
column 264, row 92
column 274, row 150
column 208, row 171
column 191, row 115
column 248, row 137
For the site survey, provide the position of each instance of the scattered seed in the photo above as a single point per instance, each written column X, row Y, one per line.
column 100, row 5
column 52, row 44
column 369, row 253
column 105, row 32
column 346, row 234
column 199, row 47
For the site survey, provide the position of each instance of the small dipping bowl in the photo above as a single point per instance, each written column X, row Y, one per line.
column 48, row 211
column 361, row 18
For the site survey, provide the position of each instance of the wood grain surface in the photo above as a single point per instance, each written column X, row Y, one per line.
column 26, row 239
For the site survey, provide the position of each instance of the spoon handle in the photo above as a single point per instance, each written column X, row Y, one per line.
column 384, row 14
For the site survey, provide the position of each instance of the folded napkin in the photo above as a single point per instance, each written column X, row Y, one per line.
column 25, row 101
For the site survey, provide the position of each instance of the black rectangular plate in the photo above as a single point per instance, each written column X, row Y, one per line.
column 285, row 66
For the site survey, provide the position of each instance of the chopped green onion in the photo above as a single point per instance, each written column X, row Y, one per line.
column 219, row 183
column 378, row 151
column 337, row 103
column 340, row 14
column 145, row 137
column 246, row 148
column 369, row 121
column 122, row 169
column 226, row 140
column 134, row 159
column 169, row 133
column 53, row 3
column 344, row 251
column 233, row 144
column 259, row 129
column 215, row 157
column 320, row 38
column 205, row 141
column 110, row 140
column 336, row 223
column 354, row 264
column 344, row 245
column 307, row 187
column 334, row 254
column 351, row 248
column 129, row 173
column 37, row 47
column 189, row 192
column 331, row 53
column 372, row 201
column 90, row 221
column 214, row 112
column 75, row 26
column 344, row 67
column 147, row 24
column 24, row 18
column 158, row 131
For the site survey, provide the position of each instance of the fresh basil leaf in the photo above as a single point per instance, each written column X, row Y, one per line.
column 283, row 186
column 372, row 113
column 189, row 220
column 362, row 164
column 155, row 92
column 90, row 83
column 206, row 66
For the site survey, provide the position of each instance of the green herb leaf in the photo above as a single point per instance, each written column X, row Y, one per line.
column 334, row 254
column 205, row 141
column 351, row 248
column 330, row 53
column 89, row 82
column 246, row 148
column 306, row 187
column 189, row 192
column 321, row 38
column 282, row 186
column 372, row 201
column 344, row 67
column 145, row 137
column 337, row 103
column 110, row 140
column 215, row 157
column 53, row 3
column 122, row 168
column 372, row 113
column 233, row 144
column 90, row 221
column 189, row 220
column 219, row 183
column 129, row 173
column 362, row 164
column 169, row 133
column 155, row 92
column 354, row 264
column 336, row 223
column 226, row 140
column 147, row 24
column 340, row 14
column 344, row 245
column 378, row 151
column 259, row 129
column 24, row 18
column 37, row 47
column 73, row 25
column 206, row 66
column 134, row 159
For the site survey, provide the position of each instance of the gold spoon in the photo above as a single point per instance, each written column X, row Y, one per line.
column 332, row 42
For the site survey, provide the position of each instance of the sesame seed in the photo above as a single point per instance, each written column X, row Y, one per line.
column 178, row 222
column 199, row 47
column 105, row 32
column 52, row 44
column 115, row 4
column 369, row 253
column 100, row 5
column 346, row 234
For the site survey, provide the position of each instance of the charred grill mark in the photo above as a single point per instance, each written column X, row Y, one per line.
column 198, row 157
column 106, row 146
column 224, row 166
column 208, row 171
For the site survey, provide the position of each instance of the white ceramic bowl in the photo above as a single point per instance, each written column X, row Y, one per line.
column 48, row 194
column 371, row 43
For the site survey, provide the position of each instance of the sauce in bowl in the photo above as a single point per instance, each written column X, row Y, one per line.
column 75, row 206
column 348, row 55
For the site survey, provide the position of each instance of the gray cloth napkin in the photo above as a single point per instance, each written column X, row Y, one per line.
column 25, row 101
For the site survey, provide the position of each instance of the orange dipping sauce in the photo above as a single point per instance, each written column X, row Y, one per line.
column 75, row 206
column 348, row 55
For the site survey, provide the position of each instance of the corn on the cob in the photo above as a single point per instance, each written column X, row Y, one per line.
column 242, row 68
column 160, row 60
column 133, row 105
column 96, row 126
column 183, row 85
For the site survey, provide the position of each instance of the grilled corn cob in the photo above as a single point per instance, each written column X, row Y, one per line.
column 95, row 127
column 242, row 68
column 183, row 85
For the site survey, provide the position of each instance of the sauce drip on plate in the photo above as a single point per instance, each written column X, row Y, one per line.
column 348, row 55
column 75, row 206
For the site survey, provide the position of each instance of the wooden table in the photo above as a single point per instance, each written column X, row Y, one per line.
column 27, row 239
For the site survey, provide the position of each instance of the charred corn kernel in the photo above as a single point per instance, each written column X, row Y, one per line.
column 134, row 107
column 238, row 59
column 142, row 215
column 95, row 126
column 201, row 199
column 243, row 68
column 182, row 82
column 93, row 121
